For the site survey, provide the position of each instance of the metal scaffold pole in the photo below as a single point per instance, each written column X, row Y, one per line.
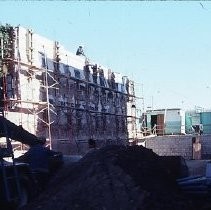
column 47, row 99
column 48, row 109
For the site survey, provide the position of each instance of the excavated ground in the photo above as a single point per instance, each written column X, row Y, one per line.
column 114, row 178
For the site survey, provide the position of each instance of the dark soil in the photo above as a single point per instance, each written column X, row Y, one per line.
column 115, row 178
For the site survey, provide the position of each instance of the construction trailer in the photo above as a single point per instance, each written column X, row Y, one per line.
column 65, row 97
column 164, row 122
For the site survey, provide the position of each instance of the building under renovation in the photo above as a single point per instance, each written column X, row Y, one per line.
column 62, row 96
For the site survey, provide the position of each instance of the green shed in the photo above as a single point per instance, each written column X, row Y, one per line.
column 205, row 118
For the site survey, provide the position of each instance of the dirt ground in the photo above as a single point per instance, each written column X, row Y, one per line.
column 116, row 178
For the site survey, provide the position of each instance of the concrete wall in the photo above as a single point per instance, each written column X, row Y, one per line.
column 178, row 145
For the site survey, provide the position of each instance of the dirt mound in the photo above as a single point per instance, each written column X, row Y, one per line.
column 113, row 177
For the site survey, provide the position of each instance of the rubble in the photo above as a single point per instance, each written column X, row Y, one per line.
column 114, row 177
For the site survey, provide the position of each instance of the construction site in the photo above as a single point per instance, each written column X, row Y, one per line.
column 78, row 124
column 61, row 96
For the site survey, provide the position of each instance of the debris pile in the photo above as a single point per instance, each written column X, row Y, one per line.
column 112, row 178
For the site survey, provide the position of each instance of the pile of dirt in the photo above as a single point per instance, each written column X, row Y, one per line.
column 113, row 177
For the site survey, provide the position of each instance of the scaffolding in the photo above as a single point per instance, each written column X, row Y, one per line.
column 57, row 99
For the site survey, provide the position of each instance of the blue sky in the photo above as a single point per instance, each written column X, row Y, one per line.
column 165, row 46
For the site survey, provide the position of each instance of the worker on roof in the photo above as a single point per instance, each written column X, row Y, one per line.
column 80, row 51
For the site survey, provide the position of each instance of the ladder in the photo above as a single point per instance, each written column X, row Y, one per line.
column 11, row 181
